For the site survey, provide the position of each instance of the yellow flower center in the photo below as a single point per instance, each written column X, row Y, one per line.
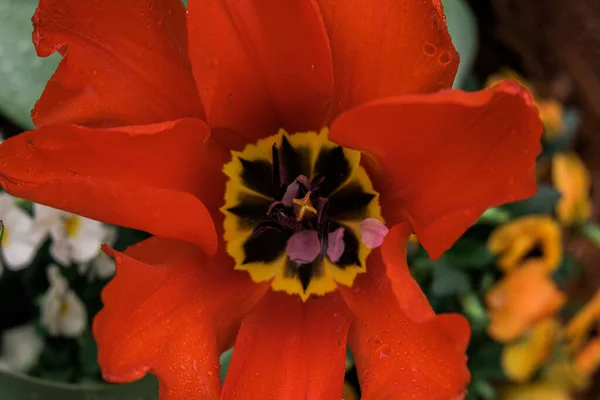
column 4, row 234
column 64, row 309
column 72, row 225
column 293, row 209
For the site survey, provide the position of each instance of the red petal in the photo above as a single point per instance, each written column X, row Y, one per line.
column 409, row 295
column 396, row 356
column 287, row 349
column 153, row 178
column 126, row 62
column 440, row 160
column 386, row 48
column 261, row 66
column 171, row 311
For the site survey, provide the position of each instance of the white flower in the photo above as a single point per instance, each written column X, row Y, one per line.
column 74, row 238
column 102, row 266
column 21, row 349
column 63, row 313
column 18, row 244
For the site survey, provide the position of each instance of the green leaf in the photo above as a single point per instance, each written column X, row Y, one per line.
column 572, row 120
column 23, row 74
column 88, row 355
column 542, row 202
column 484, row 363
column 22, row 387
column 567, row 269
column 468, row 252
column 225, row 359
column 448, row 281
column 463, row 29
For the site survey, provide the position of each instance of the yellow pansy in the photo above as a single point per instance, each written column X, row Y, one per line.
column 572, row 180
column 521, row 359
column 522, row 298
column 564, row 373
column 536, row 391
column 551, row 110
column 514, row 240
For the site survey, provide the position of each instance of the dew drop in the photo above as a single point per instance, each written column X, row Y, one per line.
column 429, row 49
column 210, row 373
column 436, row 24
column 444, row 58
column 376, row 340
column 159, row 22
column 383, row 351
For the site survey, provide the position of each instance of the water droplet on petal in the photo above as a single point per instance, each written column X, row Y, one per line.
column 444, row 58
column 376, row 340
column 429, row 49
column 383, row 351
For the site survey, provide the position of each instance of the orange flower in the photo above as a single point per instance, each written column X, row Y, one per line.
column 523, row 297
column 583, row 346
column 573, row 181
column 150, row 104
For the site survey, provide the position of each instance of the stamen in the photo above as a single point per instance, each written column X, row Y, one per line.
column 291, row 192
column 372, row 232
column 276, row 166
column 303, row 247
column 336, row 245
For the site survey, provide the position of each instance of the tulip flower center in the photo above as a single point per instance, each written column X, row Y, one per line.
column 301, row 212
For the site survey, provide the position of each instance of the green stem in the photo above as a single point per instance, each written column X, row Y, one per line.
column 485, row 389
column 473, row 308
column 494, row 216
column 591, row 231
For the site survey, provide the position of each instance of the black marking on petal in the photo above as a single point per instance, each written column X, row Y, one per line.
column 303, row 272
column 351, row 246
column 350, row 203
column 305, row 275
column 258, row 176
column 265, row 245
column 294, row 161
column 251, row 210
column 332, row 164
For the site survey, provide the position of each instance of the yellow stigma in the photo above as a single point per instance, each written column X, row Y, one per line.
column 72, row 225
column 304, row 205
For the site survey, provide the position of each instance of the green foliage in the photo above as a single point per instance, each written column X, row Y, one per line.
column 543, row 202
column 463, row 30
column 18, row 386
column 23, row 74
column 448, row 280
